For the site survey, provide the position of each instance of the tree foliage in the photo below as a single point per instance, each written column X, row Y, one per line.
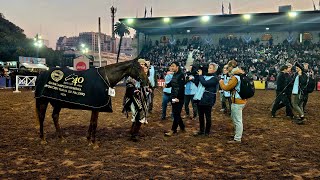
column 14, row 43
column 120, row 29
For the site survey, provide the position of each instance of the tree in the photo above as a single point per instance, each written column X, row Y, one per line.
column 120, row 29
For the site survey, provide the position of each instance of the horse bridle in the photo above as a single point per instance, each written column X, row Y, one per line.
column 131, row 69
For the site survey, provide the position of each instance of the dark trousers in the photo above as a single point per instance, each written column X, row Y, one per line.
column 305, row 100
column 151, row 100
column 187, row 100
column 177, row 120
column 281, row 101
column 226, row 103
column 205, row 125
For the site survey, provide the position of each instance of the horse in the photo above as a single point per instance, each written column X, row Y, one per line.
column 111, row 74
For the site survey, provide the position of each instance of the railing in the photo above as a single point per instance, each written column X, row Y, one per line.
column 24, row 81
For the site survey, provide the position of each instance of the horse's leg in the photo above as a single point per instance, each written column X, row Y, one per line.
column 135, row 131
column 55, row 117
column 93, row 125
column 41, row 108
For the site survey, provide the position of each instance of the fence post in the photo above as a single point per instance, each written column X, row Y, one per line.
column 17, row 85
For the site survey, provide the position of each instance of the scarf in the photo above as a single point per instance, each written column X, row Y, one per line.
column 201, row 89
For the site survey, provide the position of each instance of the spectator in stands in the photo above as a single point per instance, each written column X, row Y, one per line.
column 237, row 102
column 206, row 95
column 177, row 92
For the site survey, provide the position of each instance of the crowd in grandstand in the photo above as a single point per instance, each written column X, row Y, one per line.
column 261, row 60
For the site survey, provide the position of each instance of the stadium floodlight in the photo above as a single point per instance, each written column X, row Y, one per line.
column 130, row 21
column 166, row 20
column 205, row 18
column 188, row 30
column 267, row 28
column 292, row 14
column 247, row 16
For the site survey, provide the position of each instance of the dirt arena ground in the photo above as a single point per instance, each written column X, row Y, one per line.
column 271, row 148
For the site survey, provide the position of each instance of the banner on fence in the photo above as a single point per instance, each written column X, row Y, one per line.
column 318, row 86
column 161, row 82
column 259, row 84
column 271, row 85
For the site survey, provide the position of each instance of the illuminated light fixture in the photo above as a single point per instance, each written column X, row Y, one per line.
column 188, row 31
column 247, row 16
column 267, row 29
column 130, row 21
column 292, row 14
column 205, row 18
column 166, row 20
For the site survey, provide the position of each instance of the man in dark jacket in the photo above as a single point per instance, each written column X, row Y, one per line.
column 283, row 81
column 177, row 93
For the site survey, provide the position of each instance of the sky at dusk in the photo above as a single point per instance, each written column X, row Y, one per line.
column 55, row 18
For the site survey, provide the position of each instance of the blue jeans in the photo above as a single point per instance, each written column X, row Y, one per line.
column 236, row 115
column 165, row 100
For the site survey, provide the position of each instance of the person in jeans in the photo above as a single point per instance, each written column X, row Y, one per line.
column 166, row 96
column 206, row 96
column 177, row 94
column 237, row 102
column 190, row 90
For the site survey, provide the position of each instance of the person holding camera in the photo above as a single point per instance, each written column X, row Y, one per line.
column 190, row 90
column 177, row 94
column 206, row 98
column 225, row 95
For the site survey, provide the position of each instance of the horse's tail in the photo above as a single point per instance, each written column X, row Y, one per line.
column 37, row 109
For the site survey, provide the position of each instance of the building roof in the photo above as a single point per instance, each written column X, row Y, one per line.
column 280, row 21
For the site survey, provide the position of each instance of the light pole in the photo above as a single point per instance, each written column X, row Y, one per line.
column 38, row 43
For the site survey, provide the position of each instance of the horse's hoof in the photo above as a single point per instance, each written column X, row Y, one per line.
column 134, row 139
column 44, row 142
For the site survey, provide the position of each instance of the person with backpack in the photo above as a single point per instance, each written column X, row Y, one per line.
column 238, row 103
column 311, row 84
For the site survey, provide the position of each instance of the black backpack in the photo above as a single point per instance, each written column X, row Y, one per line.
column 311, row 85
column 246, row 87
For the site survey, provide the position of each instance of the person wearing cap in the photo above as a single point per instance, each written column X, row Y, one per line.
column 237, row 102
column 177, row 94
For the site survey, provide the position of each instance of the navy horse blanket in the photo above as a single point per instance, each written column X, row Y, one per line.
column 83, row 89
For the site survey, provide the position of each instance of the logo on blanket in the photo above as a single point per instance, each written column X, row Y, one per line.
column 57, row 75
column 72, row 83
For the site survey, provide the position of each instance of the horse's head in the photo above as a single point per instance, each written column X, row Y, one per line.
column 137, row 72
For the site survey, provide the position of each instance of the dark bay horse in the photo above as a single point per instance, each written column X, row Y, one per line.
column 111, row 74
